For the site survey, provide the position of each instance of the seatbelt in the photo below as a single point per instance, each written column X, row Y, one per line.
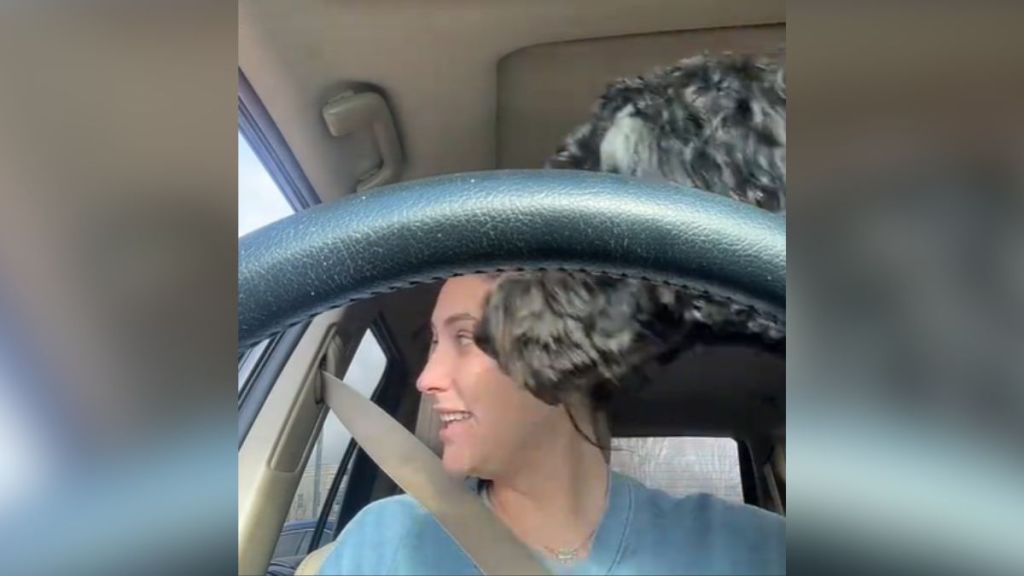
column 483, row 537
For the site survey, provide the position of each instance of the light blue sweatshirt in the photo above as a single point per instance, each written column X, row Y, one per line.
column 643, row 531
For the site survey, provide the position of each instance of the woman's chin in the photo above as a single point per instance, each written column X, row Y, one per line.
column 455, row 464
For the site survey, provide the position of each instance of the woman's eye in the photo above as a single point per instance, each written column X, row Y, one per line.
column 464, row 338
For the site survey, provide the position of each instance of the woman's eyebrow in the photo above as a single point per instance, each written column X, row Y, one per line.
column 453, row 319
column 459, row 318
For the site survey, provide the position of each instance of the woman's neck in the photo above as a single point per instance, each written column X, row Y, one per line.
column 557, row 495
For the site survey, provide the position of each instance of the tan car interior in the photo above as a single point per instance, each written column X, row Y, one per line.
column 460, row 85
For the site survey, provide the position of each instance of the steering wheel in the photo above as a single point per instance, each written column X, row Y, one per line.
column 432, row 229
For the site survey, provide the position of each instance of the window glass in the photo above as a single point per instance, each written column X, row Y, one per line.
column 364, row 374
column 307, row 535
column 288, row 544
column 249, row 361
column 681, row 465
column 260, row 201
column 335, row 513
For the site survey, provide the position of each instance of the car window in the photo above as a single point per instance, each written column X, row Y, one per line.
column 682, row 465
column 288, row 543
column 260, row 201
column 307, row 535
column 249, row 361
column 364, row 374
column 335, row 513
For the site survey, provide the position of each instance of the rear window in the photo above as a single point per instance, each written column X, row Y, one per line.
column 682, row 465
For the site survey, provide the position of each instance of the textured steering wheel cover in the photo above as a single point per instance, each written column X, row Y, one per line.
column 436, row 228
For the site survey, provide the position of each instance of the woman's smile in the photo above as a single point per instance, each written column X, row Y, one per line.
column 454, row 429
column 454, row 423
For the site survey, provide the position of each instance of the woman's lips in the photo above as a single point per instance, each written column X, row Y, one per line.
column 453, row 429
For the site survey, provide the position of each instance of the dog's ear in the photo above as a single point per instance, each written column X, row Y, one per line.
column 560, row 161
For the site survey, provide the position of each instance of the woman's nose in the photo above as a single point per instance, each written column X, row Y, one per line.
column 436, row 377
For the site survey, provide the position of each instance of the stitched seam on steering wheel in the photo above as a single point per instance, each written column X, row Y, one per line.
column 759, row 313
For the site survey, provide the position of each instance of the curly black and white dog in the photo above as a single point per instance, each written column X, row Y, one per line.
column 716, row 123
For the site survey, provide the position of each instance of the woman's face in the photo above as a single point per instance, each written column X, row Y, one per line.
column 488, row 421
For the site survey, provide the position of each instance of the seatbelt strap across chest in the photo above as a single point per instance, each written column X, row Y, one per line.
column 483, row 537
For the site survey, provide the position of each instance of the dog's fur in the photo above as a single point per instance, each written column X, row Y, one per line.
column 712, row 123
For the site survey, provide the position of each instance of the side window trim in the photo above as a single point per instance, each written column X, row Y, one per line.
column 249, row 364
column 262, row 367
column 332, row 496
column 256, row 391
column 259, row 129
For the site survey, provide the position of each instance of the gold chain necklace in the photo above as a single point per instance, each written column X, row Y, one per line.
column 569, row 555
column 563, row 555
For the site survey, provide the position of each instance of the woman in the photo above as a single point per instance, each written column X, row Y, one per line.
column 544, row 476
